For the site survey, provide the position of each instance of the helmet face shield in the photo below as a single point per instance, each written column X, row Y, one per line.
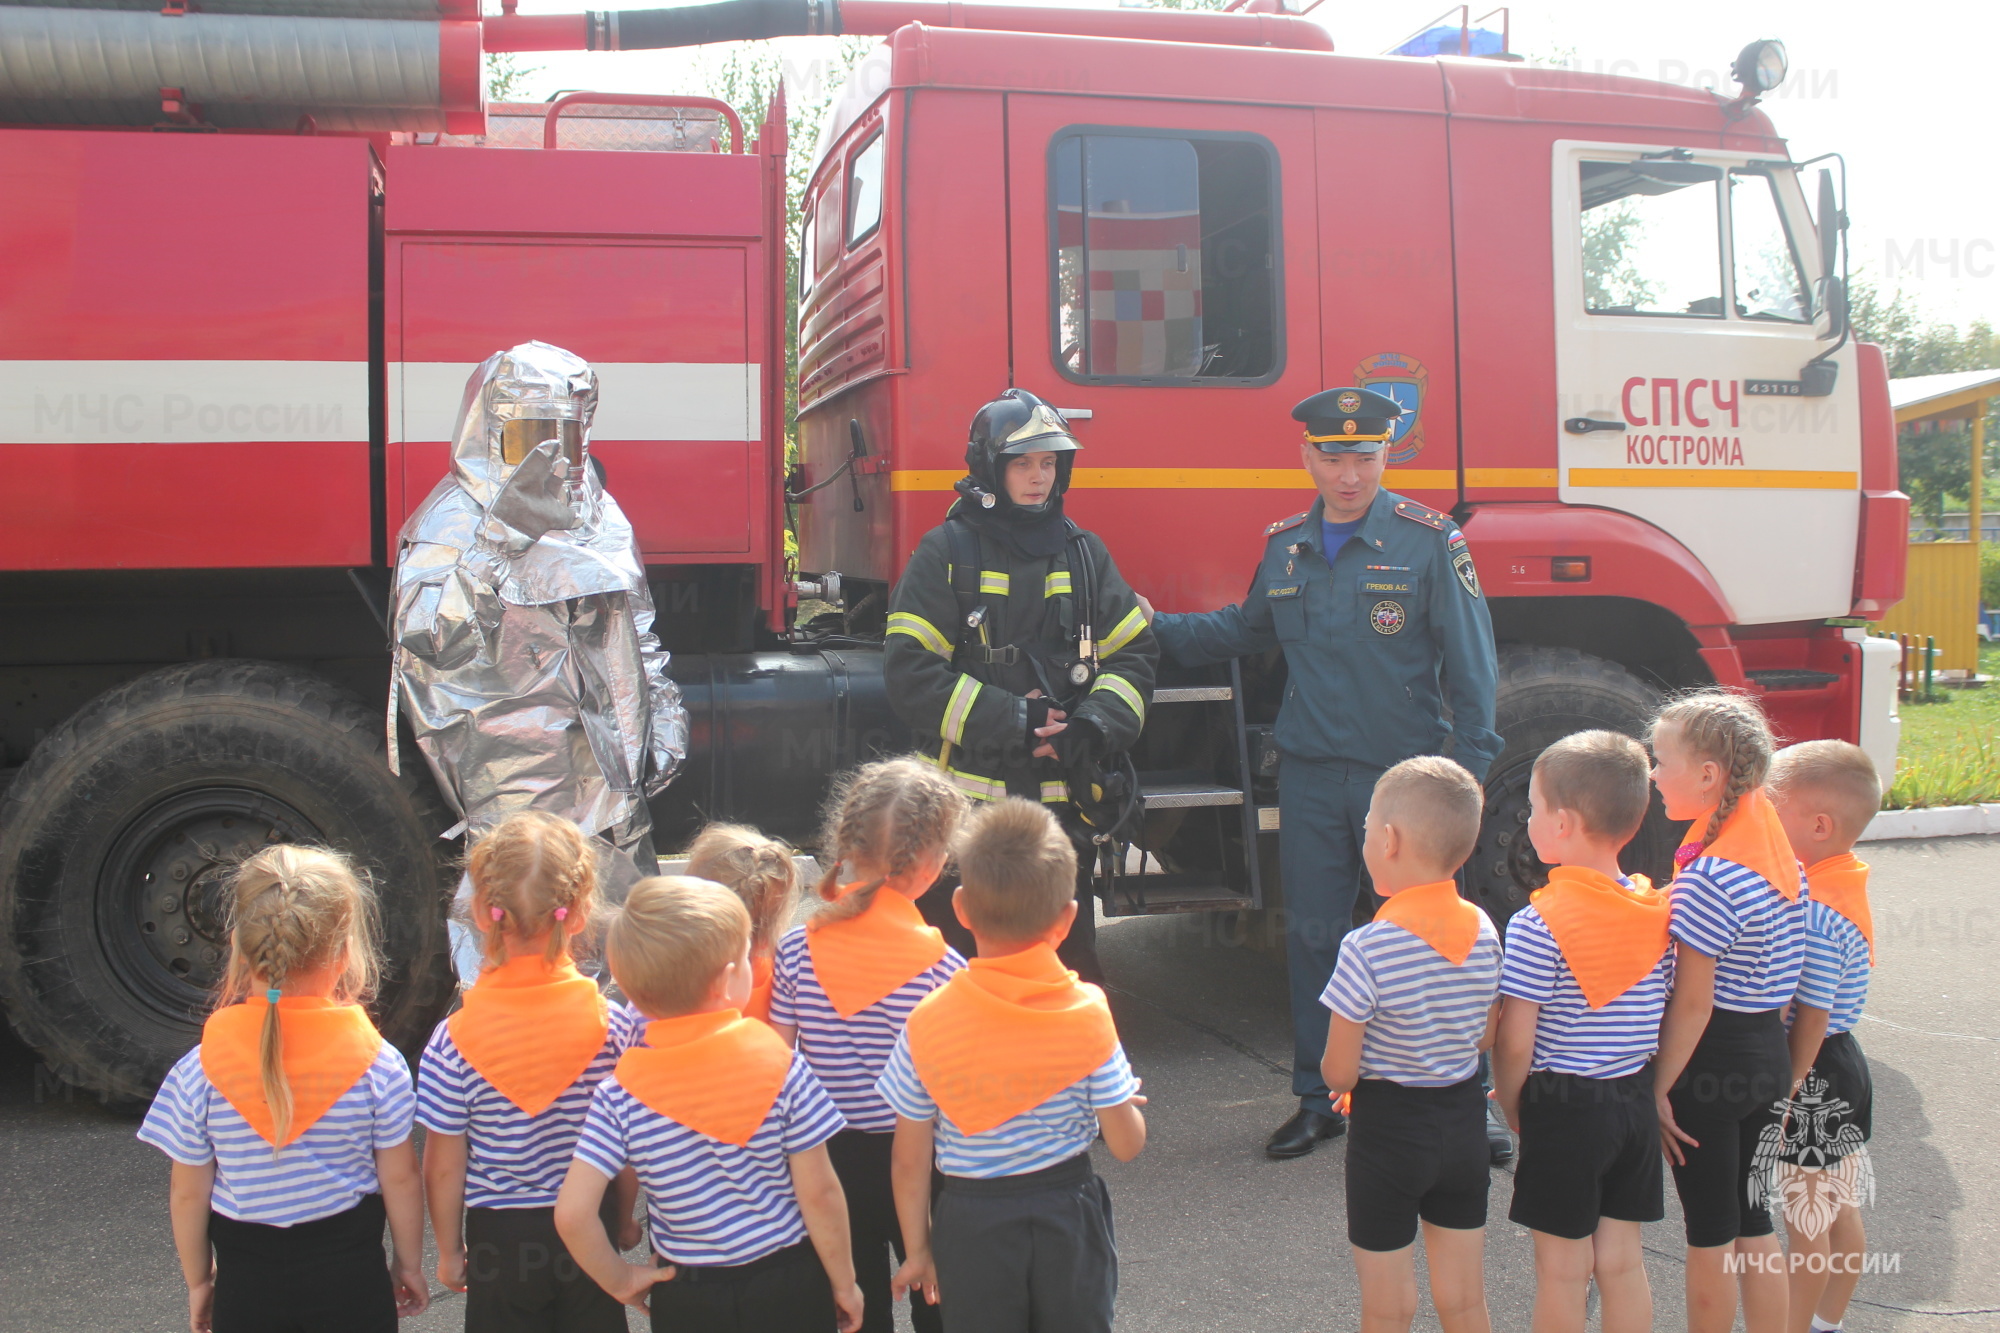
column 519, row 436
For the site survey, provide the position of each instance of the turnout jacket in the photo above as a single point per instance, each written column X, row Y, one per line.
column 970, row 715
column 1377, row 642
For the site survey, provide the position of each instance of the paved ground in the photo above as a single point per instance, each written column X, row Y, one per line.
column 1212, row 1235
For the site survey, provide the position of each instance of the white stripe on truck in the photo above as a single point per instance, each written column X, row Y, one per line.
column 196, row 402
column 636, row 400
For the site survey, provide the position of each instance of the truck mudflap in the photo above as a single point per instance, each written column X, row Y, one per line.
column 1881, row 721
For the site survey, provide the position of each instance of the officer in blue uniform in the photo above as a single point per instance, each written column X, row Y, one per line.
column 1375, row 602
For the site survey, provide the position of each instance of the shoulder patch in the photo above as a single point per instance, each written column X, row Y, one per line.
column 1284, row 523
column 1423, row 514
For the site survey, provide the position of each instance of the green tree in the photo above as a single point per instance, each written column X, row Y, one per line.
column 1935, row 461
column 505, row 75
column 1610, row 278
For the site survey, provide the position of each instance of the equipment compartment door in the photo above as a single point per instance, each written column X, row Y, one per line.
column 1164, row 291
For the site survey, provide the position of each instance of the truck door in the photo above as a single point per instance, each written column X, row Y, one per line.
column 1686, row 305
column 1164, row 295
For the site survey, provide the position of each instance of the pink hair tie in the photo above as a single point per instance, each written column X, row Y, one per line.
column 562, row 913
column 499, row 914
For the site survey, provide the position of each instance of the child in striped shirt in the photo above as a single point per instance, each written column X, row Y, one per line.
column 847, row 980
column 759, row 870
column 1413, row 1001
column 505, row 1082
column 727, row 1129
column 1005, row 1076
column 289, row 1126
column 1825, row 793
column 1738, row 924
column 1584, row 982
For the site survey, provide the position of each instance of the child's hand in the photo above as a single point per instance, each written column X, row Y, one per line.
column 918, row 1274
column 1510, row 1107
column 638, row 1283
column 451, row 1271
column 630, row 1232
column 413, row 1292
column 847, row 1307
column 1671, row 1134
column 201, row 1305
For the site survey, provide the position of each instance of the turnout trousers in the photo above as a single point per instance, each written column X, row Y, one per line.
column 1321, row 807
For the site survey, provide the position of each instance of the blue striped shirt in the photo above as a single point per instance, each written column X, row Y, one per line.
column 1425, row 1017
column 1835, row 974
column 1570, row 1036
column 712, row 1202
column 324, row 1171
column 513, row 1160
column 1756, row 936
column 1055, row 1131
column 848, row 1053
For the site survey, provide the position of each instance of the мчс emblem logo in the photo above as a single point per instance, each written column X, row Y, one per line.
column 1348, row 402
column 1404, row 379
column 1387, row 617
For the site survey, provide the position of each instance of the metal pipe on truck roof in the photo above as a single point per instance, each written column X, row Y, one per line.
column 753, row 20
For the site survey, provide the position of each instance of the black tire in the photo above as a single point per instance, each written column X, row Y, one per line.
column 1544, row 695
column 117, row 834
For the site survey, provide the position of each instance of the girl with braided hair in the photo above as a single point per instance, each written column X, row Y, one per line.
column 759, row 870
column 289, row 1126
column 1738, row 925
column 846, row 981
column 506, row 1081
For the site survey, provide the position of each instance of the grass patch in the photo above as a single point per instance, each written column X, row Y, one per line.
column 1950, row 752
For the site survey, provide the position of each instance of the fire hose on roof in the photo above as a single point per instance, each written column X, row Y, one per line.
column 416, row 64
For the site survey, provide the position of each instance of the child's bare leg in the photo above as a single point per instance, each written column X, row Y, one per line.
column 1388, row 1288
column 1562, row 1283
column 1763, row 1284
column 1620, row 1266
column 1711, row 1289
column 1847, row 1243
column 1457, row 1258
column 1806, row 1280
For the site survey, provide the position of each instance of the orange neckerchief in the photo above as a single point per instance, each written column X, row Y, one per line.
column 717, row 1073
column 326, row 1049
column 758, row 1006
column 1753, row 838
column 1612, row 937
column 1841, row 882
column 864, row 958
column 1006, row 1034
column 531, row 1028
column 1435, row 914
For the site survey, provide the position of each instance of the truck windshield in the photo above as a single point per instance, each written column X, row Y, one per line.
column 1651, row 239
column 1770, row 284
column 1165, row 264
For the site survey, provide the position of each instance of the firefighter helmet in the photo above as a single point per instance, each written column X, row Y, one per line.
column 1015, row 423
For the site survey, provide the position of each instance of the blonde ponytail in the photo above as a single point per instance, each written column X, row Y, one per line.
column 294, row 909
column 757, row 868
column 1729, row 730
column 884, row 817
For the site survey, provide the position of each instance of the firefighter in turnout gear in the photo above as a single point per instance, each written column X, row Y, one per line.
column 1017, row 653
column 1375, row 602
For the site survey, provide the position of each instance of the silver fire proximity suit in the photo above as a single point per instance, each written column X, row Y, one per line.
column 523, row 629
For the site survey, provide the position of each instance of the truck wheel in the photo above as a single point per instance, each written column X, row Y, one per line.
column 117, row 837
column 1544, row 695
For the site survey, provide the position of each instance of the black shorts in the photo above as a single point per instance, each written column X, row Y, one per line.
column 1414, row 1153
column 1841, row 1097
column 520, row 1278
column 1740, row 1069
column 784, row 1292
column 1590, row 1149
column 325, row 1276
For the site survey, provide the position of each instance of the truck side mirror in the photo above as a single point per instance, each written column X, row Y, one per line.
column 1830, row 226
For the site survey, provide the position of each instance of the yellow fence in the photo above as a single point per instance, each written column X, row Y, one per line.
column 1942, row 600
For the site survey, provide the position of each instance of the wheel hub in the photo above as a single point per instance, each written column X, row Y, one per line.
column 1505, row 854
column 162, row 889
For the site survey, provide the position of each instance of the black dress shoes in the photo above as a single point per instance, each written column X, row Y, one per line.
column 1304, row 1132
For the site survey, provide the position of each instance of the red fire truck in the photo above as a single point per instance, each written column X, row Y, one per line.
column 253, row 247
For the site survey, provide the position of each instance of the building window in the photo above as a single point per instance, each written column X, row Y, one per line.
column 1166, row 257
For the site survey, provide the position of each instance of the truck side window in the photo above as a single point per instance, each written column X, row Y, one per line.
column 1770, row 284
column 826, row 240
column 1165, row 256
column 807, row 251
column 864, row 193
column 1651, row 238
